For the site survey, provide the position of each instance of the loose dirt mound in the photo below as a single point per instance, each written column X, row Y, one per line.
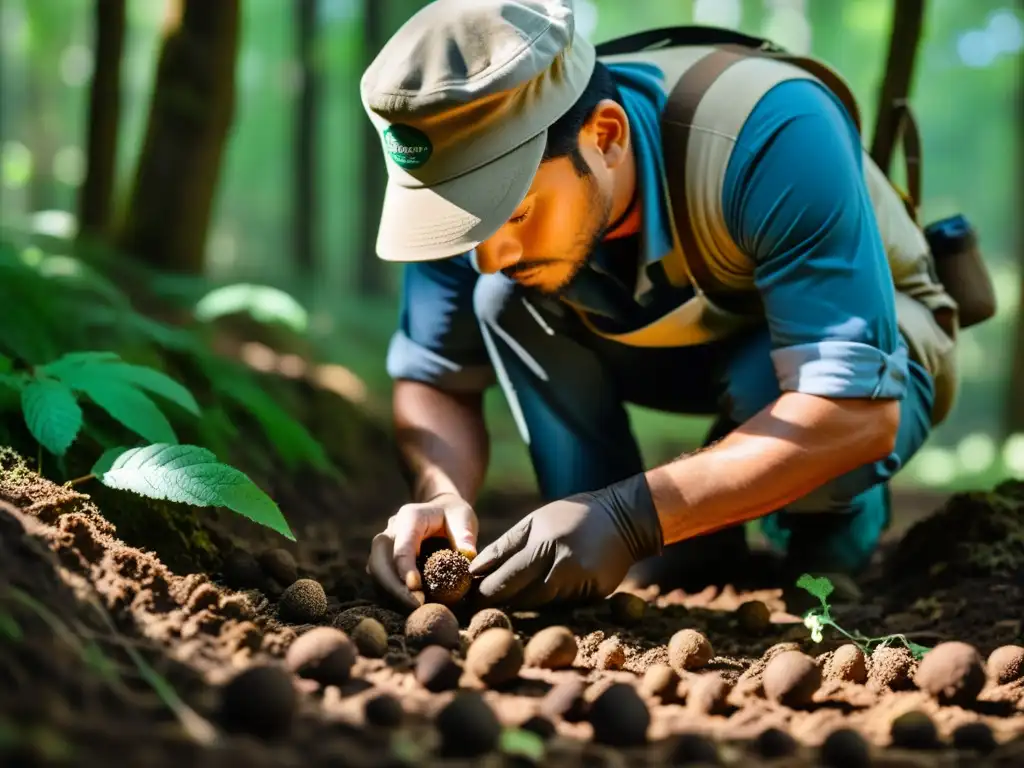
column 76, row 602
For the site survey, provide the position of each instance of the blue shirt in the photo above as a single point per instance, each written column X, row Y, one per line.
column 794, row 201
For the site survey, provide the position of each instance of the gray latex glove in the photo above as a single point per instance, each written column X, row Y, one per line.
column 573, row 550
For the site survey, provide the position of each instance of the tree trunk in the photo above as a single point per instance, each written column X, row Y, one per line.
column 371, row 278
column 190, row 116
column 908, row 19
column 304, row 216
column 96, row 195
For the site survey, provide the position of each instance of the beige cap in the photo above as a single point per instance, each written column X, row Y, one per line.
column 462, row 96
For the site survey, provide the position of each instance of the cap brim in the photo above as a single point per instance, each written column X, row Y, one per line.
column 448, row 219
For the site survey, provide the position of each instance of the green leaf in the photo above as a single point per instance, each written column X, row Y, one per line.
column 821, row 587
column 522, row 743
column 189, row 474
column 263, row 303
column 129, row 406
column 15, row 382
column 9, row 627
column 52, row 414
column 6, row 364
column 106, row 460
column 71, row 362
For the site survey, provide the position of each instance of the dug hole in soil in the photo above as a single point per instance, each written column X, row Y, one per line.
column 287, row 655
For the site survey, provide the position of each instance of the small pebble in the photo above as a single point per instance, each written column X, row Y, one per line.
column 707, row 696
column 627, row 609
column 260, row 700
column 495, row 657
column 914, row 730
column 610, row 654
column 619, row 717
column 436, row 670
column 688, row 649
column 371, row 639
column 383, row 710
column 488, row 618
column 280, row 565
column 446, row 576
column 565, row 700
column 753, row 617
column 952, row 672
column 432, row 624
column 304, row 602
column 660, row 681
column 845, row 748
column 847, row 664
column 323, row 654
column 551, row 648
column 773, row 743
column 791, row 679
column 890, row 668
column 974, row 737
column 693, row 749
column 1005, row 664
column 468, row 726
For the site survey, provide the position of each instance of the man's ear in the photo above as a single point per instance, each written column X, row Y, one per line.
column 608, row 127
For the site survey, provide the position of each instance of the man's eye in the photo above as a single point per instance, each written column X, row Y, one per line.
column 520, row 218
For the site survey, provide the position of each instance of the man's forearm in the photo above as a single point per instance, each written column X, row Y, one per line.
column 442, row 440
column 787, row 450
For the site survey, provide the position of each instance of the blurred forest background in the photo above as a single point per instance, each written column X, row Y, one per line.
column 266, row 108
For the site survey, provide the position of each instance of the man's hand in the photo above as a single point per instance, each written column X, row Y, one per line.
column 393, row 553
column 576, row 549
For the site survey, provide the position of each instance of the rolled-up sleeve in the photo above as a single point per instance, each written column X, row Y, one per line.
column 796, row 202
column 438, row 339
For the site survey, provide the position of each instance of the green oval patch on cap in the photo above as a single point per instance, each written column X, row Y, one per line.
column 409, row 147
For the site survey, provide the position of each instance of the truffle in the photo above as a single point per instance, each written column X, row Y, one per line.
column 974, row 737
column 688, row 649
column 626, row 608
column 845, row 748
column 370, row 638
column 432, row 624
column 436, row 670
column 610, row 654
column 446, row 576
column 660, row 681
column 890, row 668
column 552, row 648
column 708, row 694
column 260, row 700
column 383, row 710
column 304, row 602
column 773, row 743
column 952, row 672
column 619, row 717
column 468, row 726
column 280, row 565
column 753, row 617
column 488, row 618
column 539, row 725
column 1005, row 664
column 791, row 679
column 323, row 654
column 241, row 571
column 847, row 663
column 693, row 749
column 914, row 730
column 495, row 657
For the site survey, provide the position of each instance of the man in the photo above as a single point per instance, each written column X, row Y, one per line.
column 528, row 196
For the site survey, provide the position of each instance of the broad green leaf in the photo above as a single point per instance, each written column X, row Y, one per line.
column 189, row 474
column 15, row 382
column 73, row 361
column 263, row 303
column 139, row 376
column 6, row 364
column 106, row 460
column 819, row 586
column 52, row 414
column 129, row 406
column 522, row 743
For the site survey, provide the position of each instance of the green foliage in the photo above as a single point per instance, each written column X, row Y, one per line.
column 52, row 414
column 818, row 619
column 261, row 302
column 189, row 474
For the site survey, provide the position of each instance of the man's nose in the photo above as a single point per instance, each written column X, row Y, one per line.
column 497, row 254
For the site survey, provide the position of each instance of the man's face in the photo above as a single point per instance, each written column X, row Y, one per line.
column 564, row 215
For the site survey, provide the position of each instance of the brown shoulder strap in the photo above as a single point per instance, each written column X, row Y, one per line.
column 908, row 133
column 676, row 121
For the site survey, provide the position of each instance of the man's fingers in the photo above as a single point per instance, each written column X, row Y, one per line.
column 504, row 547
column 461, row 526
column 514, row 575
column 381, row 567
column 407, row 545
